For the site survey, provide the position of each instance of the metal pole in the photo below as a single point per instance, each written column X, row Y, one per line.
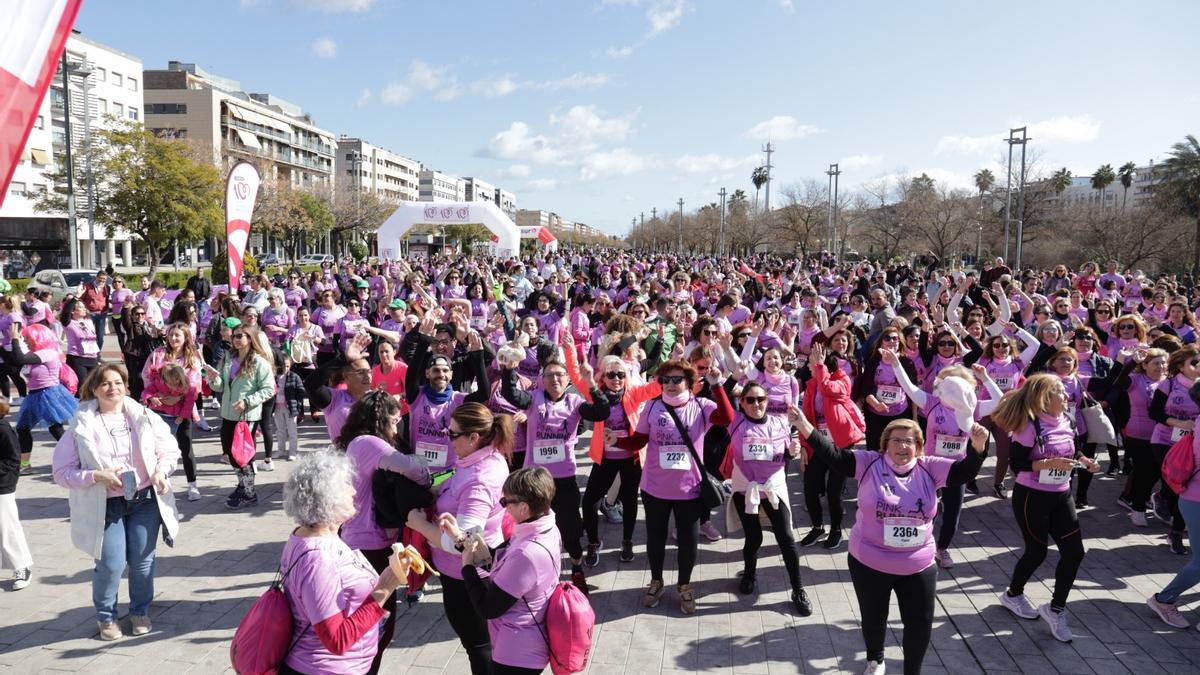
column 654, row 229
column 1021, row 199
column 837, row 209
column 681, row 226
column 767, row 202
column 978, row 243
column 721, row 239
column 87, row 158
column 1008, row 194
column 72, row 234
column 833, row 174
column 829, row 211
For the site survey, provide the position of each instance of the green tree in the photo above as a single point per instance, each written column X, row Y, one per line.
column 984, row 180
column 1126, row 174
column 1103, row 177
column 1180, row 186
column 1060, row 180
column 152, row 188
column 759, row 177
column 357, row 215
column 292, row 216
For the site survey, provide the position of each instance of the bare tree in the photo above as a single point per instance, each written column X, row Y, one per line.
column 804, row 217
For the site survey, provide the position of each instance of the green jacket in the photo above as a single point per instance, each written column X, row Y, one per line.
column 255, row 388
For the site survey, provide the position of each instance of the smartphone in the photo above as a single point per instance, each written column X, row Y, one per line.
column 129, row 483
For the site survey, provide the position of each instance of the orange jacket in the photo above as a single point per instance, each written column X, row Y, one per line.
column 631, row 401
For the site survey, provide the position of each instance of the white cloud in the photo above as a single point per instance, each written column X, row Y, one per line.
column 664, row 15
column 541, row 185
column 516, row 142
column 396, row 94
column 854, row 162
column 620, row 52
column 786, row 5
column 617, row 162
column 503, row 86
column 335, row 6
column 515, row 171
column 363, row 99
column 583, row 124
column 577, row 81
column 324, row 48
column 1061, row 129
column 781, row 128
column 711, row 163
column 443, row 84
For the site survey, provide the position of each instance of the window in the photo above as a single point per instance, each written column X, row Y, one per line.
column 166, row 108
column 103, row 105
column 40, row 123
column 132, row 84
column 101, row 75
column 133, row 113
column 16, row 188
column 40, row 156
column 116, row 79
column 39, row 187
column 118, row 109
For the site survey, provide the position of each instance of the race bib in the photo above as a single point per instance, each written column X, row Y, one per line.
column 757, row 452
column 1005, row 383
column 905, row 532
column 1177, row 433
column 549, row 451
column 945, row 445
column 795, row 318
column 1053, row 476
column 889, row 396
column 478, row 322
column 433, row 454
column 674, row 458
column 90, row 348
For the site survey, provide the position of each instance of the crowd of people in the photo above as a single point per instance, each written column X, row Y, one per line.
column 703, row 385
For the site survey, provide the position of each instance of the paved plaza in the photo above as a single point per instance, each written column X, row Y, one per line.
column 223, row 560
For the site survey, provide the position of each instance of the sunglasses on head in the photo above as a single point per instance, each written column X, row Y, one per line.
column 671, row 379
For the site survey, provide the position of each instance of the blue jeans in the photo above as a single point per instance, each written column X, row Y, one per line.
column 170, row 420
column 1189, row 575
column 99, row 319
column 130, row 536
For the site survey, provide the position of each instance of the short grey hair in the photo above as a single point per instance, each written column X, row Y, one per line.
column 320, row 490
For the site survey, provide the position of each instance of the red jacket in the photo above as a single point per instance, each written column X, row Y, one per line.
column 846, row 424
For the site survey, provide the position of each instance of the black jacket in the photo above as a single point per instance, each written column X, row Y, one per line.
column 10, row 459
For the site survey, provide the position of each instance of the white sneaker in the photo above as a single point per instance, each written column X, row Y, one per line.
column 943, row 558
column 193, row 493
column 21, row 578
column 1019, row 605
column 1168, row 613
column 875, row 668
column 265, row 465
column 202, row 425
column 1057, row 621
column 1138, row 518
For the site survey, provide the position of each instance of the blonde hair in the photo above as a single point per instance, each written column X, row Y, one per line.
column 1020, row 406
column 959, row 371
column 174, row 377
column 903, row 424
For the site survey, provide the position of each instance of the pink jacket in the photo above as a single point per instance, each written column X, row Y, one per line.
column 154, row 386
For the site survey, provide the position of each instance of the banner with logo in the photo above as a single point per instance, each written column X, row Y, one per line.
column 32, row 38
column 240, row 192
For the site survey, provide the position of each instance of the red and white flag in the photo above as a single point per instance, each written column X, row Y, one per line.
column 33, row 34
column 240, row 192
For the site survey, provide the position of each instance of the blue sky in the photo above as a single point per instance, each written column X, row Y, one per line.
column 600, row 110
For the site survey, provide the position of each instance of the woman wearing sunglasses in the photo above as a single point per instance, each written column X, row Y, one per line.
column 469, row 504
column 1174, row 413
column 1006, row 368
column 878, row 390
column 759, row 447
column 551, row 434
column 892, row 546
column 671, row 474
column 1142, row 370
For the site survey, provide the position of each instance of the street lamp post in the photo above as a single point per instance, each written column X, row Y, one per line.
column 72, row 232
column 681, row 226
column 833, row 174
column 654, row 228
column 721, row 237
column 1013, row 140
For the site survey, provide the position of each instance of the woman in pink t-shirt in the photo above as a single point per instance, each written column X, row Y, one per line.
column 892, row 543
column 48, row 402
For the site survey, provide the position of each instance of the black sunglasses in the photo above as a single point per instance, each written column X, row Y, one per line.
column 615, row 376
column 754, row 400
column 455, row 434
column 670, row 379
column 947, row 344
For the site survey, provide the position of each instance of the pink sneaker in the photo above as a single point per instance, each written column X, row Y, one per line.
column 1168, row 613
column 710, row 531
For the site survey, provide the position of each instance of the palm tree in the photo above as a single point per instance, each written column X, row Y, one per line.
column 1126, row 173
column 984, row 180
column 759, row 177
column 1180, row 186
column 1060, row 180
column 1103, row 177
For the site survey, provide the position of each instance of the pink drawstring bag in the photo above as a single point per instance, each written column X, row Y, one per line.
column 243, row 444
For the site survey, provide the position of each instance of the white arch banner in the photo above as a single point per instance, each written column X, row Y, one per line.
column 506, row 237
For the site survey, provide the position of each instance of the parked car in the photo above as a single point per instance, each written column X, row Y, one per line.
column 60, row 283
column 316, row 259
column 267, row 259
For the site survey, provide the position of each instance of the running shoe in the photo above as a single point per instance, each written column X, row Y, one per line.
column 1000, row 491
column 710, row 531
column 1176, row 541
column 627, row 551
column 747, row 584
column 1168, row 613
column 1112, row 470
column 654, row 593
column 813, row 536
column 592, row 557
column 1159, row 506
column 944, row 559
column 1138, row 518
column 801, row 602
column 1081, row 504
column 687, row 599
column 972, row 487
column 22, row 578
column 1124, row 502
column 109, row 631
column 26, row 468
column 202, row 425
column 875, row 668
column 578, row 580
column 193, row 493
column 613, row 513
column 139, row 625
column 834, row 538
column 265, row 465
column 1057, row 621
column 1019, row 605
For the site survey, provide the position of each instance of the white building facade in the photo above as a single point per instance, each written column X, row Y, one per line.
column 440, row 187
column 392, row 177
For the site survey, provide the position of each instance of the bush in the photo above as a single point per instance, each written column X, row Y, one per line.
column 359, row 250
column 220, row 267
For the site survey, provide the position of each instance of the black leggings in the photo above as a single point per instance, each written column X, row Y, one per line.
column 183, row 436
column 501, row 669
column 876, row 423
column 1041, row 516
column 11, row 371
column 25, row 437
column 266, row 424
column 952, row 501
column 820, row 479
column 1083, row 477
column 1146, row 471
column 1158, row 454
column 81, row 365
column 470, row 627
column 600, row 480
column 781, row 523
column 914, row 595
column 567, row 515
column 687, row 528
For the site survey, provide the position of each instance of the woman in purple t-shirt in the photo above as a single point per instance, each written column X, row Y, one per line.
column 1139, row 377
column 1043, row 454
column 524, row 574
column 1175, row 414
column 878, row 391
column 892, row 544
